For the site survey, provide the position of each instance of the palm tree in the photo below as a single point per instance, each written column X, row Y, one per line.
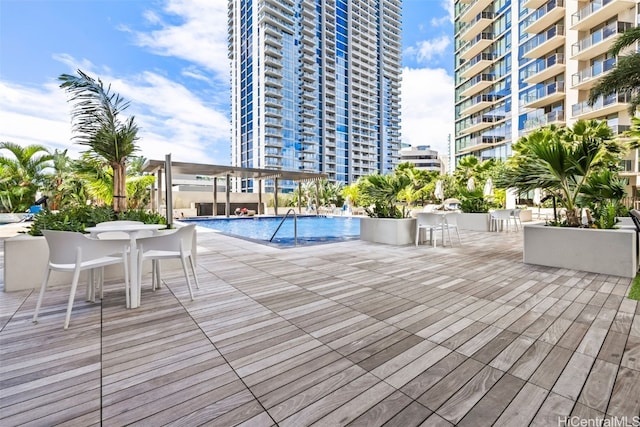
column 564, row 161
column 21, row 176
column 383, row 191
column 97, row 125
column 625, row 76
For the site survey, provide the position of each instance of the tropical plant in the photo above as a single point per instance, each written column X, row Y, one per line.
column 380, row 193
column 77, row 218
column 21, row 174
column 563, row 162
column 97, row 125
column 473, row 201
column 624, row 78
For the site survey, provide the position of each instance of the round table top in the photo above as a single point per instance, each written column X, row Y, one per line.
column 125, row 227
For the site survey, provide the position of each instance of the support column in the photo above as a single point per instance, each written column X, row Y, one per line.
column 299, row 197
column 260, row 208
column 215, row 196
column 169, row 189
column 317, row 196
column 275, row 196
column 159, row 191
column 227, row 206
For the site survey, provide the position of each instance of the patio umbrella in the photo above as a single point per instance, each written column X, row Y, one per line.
column 471, row 184
column 537, row 195
column 488, row 187
column 439, row 191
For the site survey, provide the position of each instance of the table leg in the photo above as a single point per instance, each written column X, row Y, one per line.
column 133, row 269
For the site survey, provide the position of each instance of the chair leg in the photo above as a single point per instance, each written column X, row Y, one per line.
column 193, row 269
column 458, row 234
column 43, row 287
column 186, row 275
column 417, row 235
column 72, row 295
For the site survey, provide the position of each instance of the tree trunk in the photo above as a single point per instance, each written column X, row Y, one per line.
column 574, row 219
column 119, row 187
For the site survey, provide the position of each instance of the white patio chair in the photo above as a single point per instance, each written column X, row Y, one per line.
column 168, row 245
column 451, row 223
column 500, row 219
column 515, row 215
column 74, row 252
column 431, row 222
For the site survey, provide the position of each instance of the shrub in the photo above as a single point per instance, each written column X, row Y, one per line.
column 80, row 217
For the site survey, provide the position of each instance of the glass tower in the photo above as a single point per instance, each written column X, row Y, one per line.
column 523, row 64
column 315, row 87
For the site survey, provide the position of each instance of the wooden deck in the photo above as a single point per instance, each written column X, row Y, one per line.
column 348, row 333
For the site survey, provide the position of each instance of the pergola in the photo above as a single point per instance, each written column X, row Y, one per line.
column 167, row 167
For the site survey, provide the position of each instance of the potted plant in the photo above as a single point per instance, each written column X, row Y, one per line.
column 578, row 166
column 387, row 218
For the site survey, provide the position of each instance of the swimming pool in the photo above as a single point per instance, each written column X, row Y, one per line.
column 311, row 229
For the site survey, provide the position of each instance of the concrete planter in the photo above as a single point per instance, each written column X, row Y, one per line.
column 474, row 221
column 388, row 230
column 597, row 251
column 526, row 215
column 25, row 262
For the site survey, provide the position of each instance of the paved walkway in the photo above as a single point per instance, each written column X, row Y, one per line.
column 339, row 334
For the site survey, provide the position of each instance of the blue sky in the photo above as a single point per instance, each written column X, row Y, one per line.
column 169, row 59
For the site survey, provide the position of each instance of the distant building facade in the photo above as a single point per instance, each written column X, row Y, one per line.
column 424, row 158
column 315, row 87
column 524, row 64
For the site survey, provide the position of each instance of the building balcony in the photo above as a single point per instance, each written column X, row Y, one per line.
column 477, row 45
column 586, row 78
column 544, row 17
column 477, row 64
column 533, row 4
column 545, row 68
column 556, row 117
column 544, row 43
column 479, row 23
column 474, row 9
column 480, row 143
column 598, row 11
column 545, row 95
column 477, row 84
column 599, row 42
column 478, row 103
column 603, row 107
column 483, row 121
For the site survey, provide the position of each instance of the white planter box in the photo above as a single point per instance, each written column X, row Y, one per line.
column 388, row 231
column 474, row 221
column 526, row 215
column 25, row 262
column 597, row 251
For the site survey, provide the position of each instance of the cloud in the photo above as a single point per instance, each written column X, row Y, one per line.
column 427, row 109
column 427, row 50
column 170, row 117
column 200, row 37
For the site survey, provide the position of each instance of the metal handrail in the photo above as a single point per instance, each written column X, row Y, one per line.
column 295, row 226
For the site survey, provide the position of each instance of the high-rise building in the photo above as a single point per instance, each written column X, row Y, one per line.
column 424, row 158
column 523, row 64
column 315, row 87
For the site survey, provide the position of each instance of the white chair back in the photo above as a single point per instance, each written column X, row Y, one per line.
column 429, row 219
column 66, row 246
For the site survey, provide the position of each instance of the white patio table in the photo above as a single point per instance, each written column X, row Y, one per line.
column 133, row 231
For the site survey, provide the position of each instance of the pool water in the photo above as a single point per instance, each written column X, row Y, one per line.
column 311, row 229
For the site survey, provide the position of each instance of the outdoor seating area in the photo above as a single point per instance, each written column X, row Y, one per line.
column 350, row 332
